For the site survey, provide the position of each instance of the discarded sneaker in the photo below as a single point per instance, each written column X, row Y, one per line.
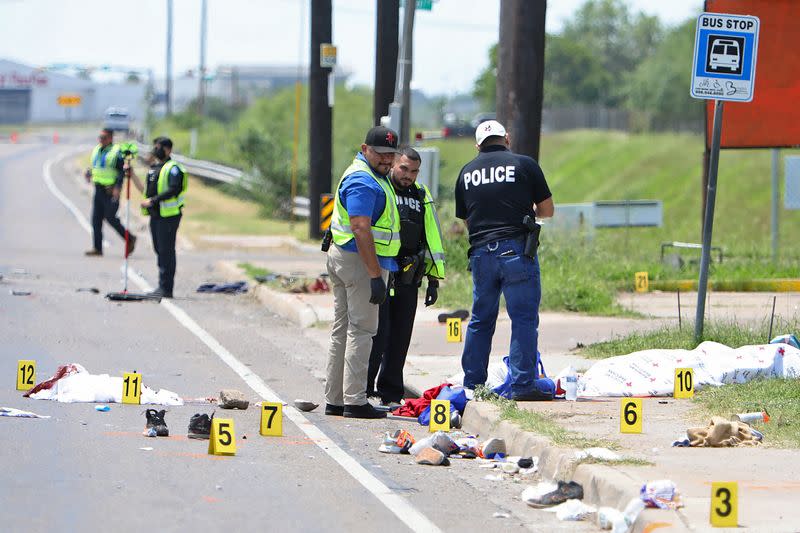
column 462, row 314
column 200, row 426
column 305, row 405
column 565, row 491
column 431, row 456
column 155, row 421
column 93, row 253
column 362, row 411
column 398, row 442
column 334, row 410
column 232, row 399
column 494, row 448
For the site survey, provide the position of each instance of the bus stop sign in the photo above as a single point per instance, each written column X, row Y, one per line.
column 725, row 51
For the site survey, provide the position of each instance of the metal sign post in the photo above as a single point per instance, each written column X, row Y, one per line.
column 726, row 47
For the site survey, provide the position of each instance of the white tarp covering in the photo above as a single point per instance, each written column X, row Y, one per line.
column 78, row 385
column 652, row 372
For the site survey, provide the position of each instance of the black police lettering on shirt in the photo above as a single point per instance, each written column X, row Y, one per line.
column 488, row 176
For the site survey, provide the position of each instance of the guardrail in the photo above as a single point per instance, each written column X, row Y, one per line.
column 301, row 206
column 204, row 169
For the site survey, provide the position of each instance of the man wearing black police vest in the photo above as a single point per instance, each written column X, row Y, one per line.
column 164, row 198
column 421, row 254
column 499, row 194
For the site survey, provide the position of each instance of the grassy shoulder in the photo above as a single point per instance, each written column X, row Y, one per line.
column 731, row 334
column 779, row 397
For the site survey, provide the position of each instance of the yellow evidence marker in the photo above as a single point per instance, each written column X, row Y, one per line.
column 725, row 504
column 26, row 374
column 222, row 440
column 271, row 419
column 684, row 383
column 454, row 330
column 131, row 388
column 440, row 416
column 642, row 281
column 630, row 419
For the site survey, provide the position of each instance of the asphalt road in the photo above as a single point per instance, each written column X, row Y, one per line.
column 84, row 470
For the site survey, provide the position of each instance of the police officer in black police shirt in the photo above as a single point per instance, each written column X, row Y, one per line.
column 494, row 192
column 421, row 254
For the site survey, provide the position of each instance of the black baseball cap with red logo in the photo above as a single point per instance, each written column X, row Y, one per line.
column 382, row 140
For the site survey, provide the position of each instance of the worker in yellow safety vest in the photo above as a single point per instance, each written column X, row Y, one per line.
column 365, row 228
column 106, row 173
column 164, row 193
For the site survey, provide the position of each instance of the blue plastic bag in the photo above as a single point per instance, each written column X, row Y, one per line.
column 543, row 384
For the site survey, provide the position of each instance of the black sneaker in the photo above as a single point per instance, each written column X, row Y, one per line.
column 155, row 422
column 200, row 426
column 334, row 410
column 564, row 492
column 461, row 314
column 363, row 411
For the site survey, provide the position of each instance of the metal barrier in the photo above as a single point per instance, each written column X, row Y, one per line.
column 204, row 169
column 692, row 245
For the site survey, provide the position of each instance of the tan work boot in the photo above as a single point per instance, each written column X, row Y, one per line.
column 93, row 252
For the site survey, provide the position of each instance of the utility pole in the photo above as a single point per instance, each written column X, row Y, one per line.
column 520, row 76
column 320, row 114
column 168, row 92
column 403, row 88
column 201, row 88
column 387, row 32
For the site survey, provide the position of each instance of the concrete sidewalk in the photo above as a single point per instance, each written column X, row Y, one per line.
column 767, row 477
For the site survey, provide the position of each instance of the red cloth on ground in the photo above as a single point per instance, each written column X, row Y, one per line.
column 413, row 407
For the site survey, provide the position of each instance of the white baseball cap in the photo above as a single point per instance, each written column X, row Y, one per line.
column 490, row 128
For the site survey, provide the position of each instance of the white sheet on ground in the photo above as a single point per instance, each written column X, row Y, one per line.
column 652, row 372
column 81, row 386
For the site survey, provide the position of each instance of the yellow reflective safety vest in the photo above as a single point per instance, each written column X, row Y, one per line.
column 169, row 207
column 104, row 165
column 434, row 254
column 385, row 231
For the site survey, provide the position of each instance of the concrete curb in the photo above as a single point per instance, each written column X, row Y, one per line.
column 602, row 485
column 283, row 304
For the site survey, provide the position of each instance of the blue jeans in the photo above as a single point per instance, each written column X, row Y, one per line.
column 500, row 267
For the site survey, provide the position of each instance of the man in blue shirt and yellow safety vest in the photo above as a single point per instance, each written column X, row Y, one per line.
column 421, row 254
column 106, row 173
column 365, row 228
column 164, row 199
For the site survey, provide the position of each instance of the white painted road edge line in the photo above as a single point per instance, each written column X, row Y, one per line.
column 398, row 505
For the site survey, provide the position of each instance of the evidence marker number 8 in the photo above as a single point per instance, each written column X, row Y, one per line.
column 440, row 416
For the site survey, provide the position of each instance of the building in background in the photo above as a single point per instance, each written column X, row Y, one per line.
column 38, row 95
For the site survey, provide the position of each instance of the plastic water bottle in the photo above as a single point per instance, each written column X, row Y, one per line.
column 571, row 385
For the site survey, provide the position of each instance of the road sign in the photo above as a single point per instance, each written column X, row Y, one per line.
column 26, row 374
column 69, row 100
column 725, row 52
column 423, row 5
column 327, row 55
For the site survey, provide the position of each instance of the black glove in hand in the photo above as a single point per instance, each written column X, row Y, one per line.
column 377, row 289
column 431, row 294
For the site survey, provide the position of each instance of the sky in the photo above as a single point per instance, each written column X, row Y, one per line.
column 451, row 42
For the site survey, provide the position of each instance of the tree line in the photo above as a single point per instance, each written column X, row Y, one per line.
column 606, row 55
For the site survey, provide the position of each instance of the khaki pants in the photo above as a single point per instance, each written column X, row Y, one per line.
column 355, row 322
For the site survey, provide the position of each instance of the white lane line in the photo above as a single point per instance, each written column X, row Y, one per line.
column 398, row 505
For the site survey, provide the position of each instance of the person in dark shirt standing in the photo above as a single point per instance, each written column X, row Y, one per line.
column 494, row 192
column 106, row 173
column 164, row 198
